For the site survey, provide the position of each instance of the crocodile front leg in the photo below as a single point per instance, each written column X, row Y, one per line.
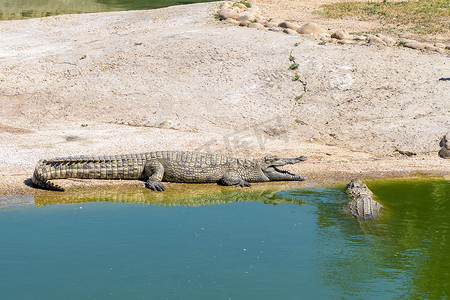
column 154, row 170
column 230, row 179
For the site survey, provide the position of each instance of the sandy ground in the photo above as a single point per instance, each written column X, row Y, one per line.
column 177, row 79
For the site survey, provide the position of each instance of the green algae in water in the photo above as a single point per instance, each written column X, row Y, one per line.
column 237, row 250
column 25, row 9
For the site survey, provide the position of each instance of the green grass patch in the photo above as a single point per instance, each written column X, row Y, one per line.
column 421, row 17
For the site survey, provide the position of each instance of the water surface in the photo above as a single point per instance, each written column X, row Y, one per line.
column 268, row 249
column 24, row 9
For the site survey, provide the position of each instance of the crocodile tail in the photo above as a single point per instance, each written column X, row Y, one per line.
column 41, row 178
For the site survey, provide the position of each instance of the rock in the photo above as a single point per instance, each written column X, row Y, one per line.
column 447, row 47
column 289, row 31
column 440, row 50
column 274, row 29
column 255, row 25
column 244, row 23
column 240, row 5
column 415, row 45
column 360, row 38
column 228, row 13
column 226, row 4
column 439, row 45
column 310, row 28
column 278, row 21
column 341, row 34
column 445, row 144
column 388, row 41
column 252, row 11
column 375, row 40
column 430, row 47
column 289, row 25
column 271, row 24
column 232, row 21
column 262, row 21
column 245, row 17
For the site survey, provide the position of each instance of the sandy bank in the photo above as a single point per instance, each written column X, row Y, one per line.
column 176, row 79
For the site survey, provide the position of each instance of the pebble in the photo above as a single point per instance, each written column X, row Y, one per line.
column 289, row 25
column 289, row 31
column 430, row 47
column 244, row 23
column 271, row 24
column 341, row 34
column 415, row 45
column 256, row 25
column 228, row 13
column 375, row 40
column 232, row 21
column 310, row 28
column 245, row 17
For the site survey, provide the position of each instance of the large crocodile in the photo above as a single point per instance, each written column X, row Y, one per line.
column 170, row 166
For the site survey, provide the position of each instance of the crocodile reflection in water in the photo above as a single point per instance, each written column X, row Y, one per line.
column 199, row 196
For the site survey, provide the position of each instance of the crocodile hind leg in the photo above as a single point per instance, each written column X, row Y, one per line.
column 230, row 179
column 155, row 172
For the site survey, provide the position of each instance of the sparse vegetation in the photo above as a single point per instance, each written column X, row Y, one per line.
column 294, row 66
column 300, row 122
column 421, row 17
column 296, row 78
column 254, row 21
column 218, row 17
column 245, row 3
column 291, row 58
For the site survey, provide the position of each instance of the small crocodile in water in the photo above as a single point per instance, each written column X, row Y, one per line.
column 170, row 166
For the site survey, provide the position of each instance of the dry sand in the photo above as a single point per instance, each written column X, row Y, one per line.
column 177, row 79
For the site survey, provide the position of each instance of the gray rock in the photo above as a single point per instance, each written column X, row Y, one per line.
column 271, row 24
column 310, row 28
column 341, row 34
column 228, row 13
column 445, row 144
column 289, row 25
column 415, row 45
column 244, row 23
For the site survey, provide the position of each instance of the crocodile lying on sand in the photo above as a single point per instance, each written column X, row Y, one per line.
column 171, row 166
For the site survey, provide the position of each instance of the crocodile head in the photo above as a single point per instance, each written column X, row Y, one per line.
column 270, row 168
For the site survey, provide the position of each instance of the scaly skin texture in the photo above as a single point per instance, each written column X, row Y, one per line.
column 171, row 166
column 362, row 204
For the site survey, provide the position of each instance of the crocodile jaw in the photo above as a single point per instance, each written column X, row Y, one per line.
column 274, row 174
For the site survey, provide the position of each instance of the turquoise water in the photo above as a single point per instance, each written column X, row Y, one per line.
column 24, row 9
column 238, row 250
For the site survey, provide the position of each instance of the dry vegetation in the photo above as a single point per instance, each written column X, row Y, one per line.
column 420, row 17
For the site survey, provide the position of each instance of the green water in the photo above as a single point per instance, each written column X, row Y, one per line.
column 236, row 250
column 24, row 9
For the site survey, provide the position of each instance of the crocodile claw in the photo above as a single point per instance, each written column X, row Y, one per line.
column 155, row 185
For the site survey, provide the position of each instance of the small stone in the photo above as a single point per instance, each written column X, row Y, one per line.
column 244, row 23
column 289, row 31
column 289, row 25
column 256, row 25
column 262, row 21
column 375, row 40
column 430, row 47
column 310, row 28
column 232, row 21
column 447, row 47
column 274, row 29
column 246, row 17
column 341, row 35
column 388, row 40
column 252, row 11
column 278, row 21
column 440, row 50
column 240, row 5
column 228, row 13
column 360, row 38
column 439, row 45
column 271, row 24
column 415, row 45
column 226, row 4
